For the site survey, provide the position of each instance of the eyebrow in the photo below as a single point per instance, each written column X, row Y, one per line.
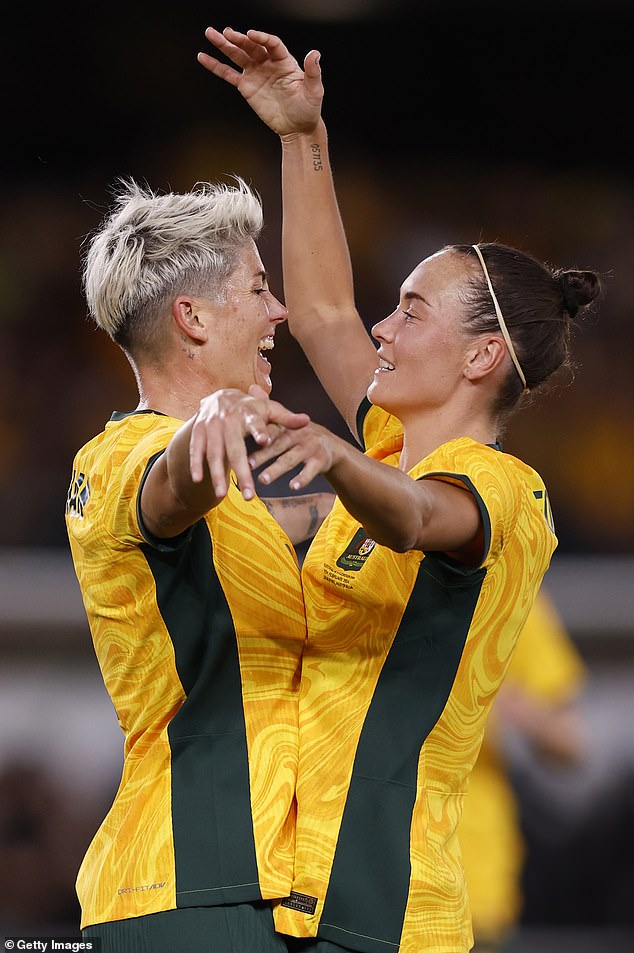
column 414, row 296
column 262, row 274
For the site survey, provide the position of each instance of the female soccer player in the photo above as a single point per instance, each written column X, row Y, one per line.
column 194, row 601
column 421, row 578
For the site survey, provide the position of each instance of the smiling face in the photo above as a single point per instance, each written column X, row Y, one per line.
column 423, row 345
column 241, row 327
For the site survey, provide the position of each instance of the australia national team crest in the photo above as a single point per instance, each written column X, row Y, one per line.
column 78, row 495
column 356, row 552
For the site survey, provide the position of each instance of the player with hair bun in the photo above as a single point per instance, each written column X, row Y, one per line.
column 421, row 578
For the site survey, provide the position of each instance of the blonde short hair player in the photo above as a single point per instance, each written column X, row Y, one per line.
column 192, row 590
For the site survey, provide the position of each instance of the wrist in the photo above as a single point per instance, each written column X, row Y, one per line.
column 301, row 137
column 337, row 451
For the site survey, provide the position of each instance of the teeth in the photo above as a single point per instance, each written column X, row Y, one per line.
column 385, row 365
column 267, row 343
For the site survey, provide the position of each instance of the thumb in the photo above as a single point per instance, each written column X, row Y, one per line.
column 312, row 68
column 279, row 414
column 258, row 392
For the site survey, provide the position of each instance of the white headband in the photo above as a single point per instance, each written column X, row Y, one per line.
column 501, row 321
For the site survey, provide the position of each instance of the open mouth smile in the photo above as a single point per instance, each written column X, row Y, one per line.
column 384, row 366
column 266, row 344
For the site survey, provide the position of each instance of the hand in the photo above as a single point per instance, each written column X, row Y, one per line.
column 287, row 98
column 309, row 444
column 224, row 419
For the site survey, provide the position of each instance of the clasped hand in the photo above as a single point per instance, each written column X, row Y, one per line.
column 228, row 417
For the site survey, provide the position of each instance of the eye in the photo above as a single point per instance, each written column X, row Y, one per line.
column 409, row 316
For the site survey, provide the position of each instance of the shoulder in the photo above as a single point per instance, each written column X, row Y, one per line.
column 464, row 456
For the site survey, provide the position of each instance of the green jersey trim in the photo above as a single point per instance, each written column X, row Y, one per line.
column 369, row 882
column 214, row 843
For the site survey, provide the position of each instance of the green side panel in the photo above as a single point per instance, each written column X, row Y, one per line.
column 211, row 806
column 367, row 894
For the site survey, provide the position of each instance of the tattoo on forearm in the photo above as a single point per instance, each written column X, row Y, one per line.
column 316, row 151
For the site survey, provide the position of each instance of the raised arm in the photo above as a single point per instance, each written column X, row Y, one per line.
column 318, row 282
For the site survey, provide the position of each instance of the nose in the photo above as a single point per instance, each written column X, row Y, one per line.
column 278, row 312
column 382, row 330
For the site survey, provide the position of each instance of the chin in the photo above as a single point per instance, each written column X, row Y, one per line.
column 373, row 394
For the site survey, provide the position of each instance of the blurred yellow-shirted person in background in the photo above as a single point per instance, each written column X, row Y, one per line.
column 539, row 699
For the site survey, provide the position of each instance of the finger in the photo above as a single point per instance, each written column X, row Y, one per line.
column 306, row 475
column 197, row 445
column 251, row 47
column 230, row 49
column 271, row 43
column 255, row 414
column 257, row 427
column 258, row 392
column 236, row 455
column 278, row 414
column 212, row 65
column 280, row 443
column 206, row 453
column 285, row 462
column 293, row 421
column 312, row 67
column 312, row 76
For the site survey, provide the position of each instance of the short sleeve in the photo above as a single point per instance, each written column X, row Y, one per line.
column 121, row 502
column 491, row 477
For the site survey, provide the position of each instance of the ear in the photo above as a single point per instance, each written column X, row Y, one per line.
column 484, row 357
column 187, row 315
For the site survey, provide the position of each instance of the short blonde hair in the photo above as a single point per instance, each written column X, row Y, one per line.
column 151, row 247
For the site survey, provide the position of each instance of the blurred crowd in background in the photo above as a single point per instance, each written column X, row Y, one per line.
column 449, row 122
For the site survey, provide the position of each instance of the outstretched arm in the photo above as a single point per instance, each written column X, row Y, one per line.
column 192, row 476
column 318, row 281
column 395, row 510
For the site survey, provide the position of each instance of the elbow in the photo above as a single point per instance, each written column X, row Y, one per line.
column 403, row 529
column 404, row 544
column 398, row 540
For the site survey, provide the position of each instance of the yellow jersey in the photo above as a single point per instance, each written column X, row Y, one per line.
column 404, row 656
column 199, row 642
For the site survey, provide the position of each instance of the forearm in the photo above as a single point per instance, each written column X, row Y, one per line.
column 318, row 279
column 389, row 505
column 394, row 509
column 171, row 501
column 318, row 282
column 195, row 496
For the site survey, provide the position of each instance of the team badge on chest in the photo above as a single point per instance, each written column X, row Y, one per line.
column 356, row 552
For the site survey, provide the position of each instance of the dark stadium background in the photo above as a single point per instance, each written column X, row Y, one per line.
column 449, row 121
